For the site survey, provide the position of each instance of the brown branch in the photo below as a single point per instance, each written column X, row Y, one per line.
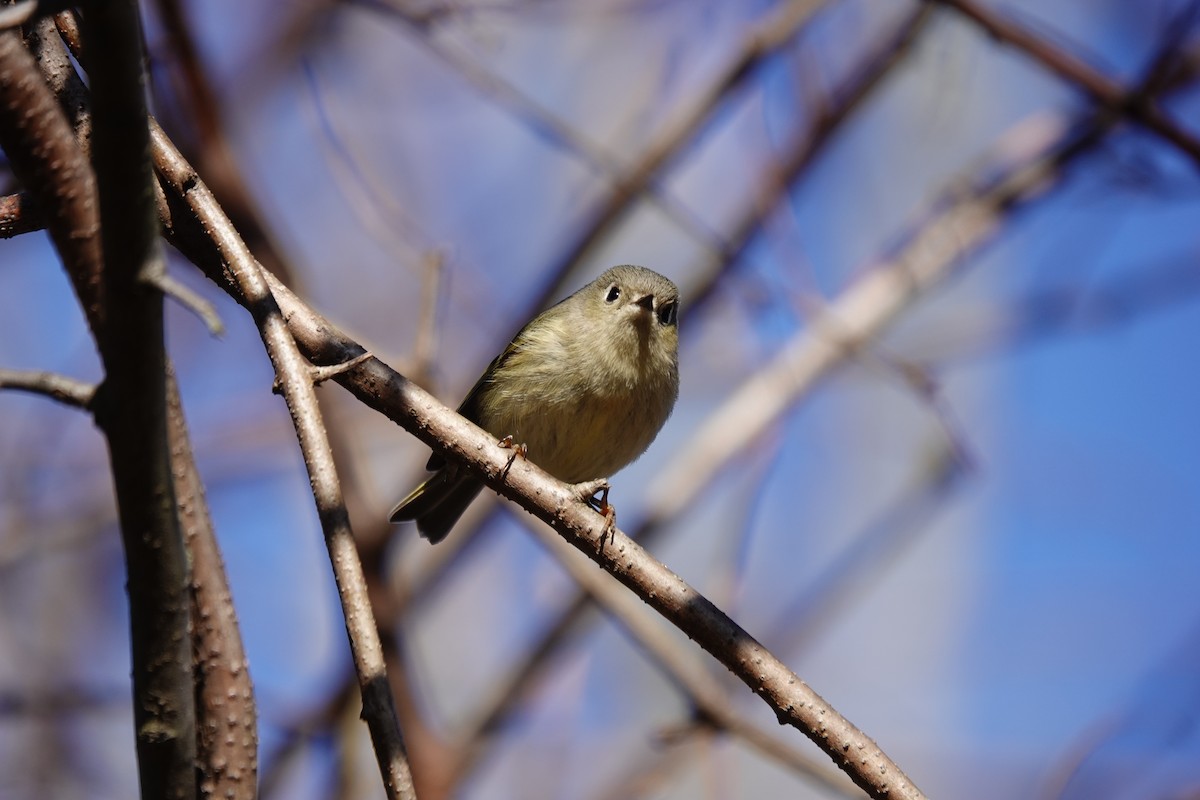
column 131, row 407
column 127, row 321
column 704, row 692
column 18, row 215
column 511, row 689
column 1136, row 105
column 68, row 391
column 766, row 38
column 390, row 393
column 557, row 504
column 226, row 716
column 295, row 381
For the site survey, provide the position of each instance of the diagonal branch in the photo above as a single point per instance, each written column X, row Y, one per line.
column 558, row 504
column 296, row 383
column 421, row 414
column 799, row 155
column 765, row 39
column 1136, row 105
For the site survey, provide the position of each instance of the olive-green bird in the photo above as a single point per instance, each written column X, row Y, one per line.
column 585, row 386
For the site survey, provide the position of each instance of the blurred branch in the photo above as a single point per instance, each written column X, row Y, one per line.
column 214, row 155
column 512, row 687
column 805, row 147
column 68, row 391
column 296, row 383
column 534, row 115
column 800, row 154
column 21, row 12
column 764, row 39
column 1136, row 105
column 708, row 698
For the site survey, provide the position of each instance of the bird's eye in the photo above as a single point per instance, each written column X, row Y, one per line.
column 612, row 294
column 666, row 313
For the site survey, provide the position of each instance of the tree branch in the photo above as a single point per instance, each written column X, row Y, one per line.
column 295, row 381
column 131, row 407
column 68, row 391
column 1137, row 105
column 226, row 716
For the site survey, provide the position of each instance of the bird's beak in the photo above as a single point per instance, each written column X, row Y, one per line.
column 646, row 301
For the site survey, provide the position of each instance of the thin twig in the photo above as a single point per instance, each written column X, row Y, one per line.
column 554, row 502
column 294, row 378
column 801, row 152
column 704, row 692
column 191, row 300
column 512, row 686
column 68, row 391
column 1136, row 105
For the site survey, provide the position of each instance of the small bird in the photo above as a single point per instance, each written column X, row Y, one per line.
column 584, row 388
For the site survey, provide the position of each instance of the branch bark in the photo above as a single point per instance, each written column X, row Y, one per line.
column 131, row 407
column 126, row 317
column 244, row 277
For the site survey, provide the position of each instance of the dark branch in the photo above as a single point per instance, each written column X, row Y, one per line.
column 1137, row 106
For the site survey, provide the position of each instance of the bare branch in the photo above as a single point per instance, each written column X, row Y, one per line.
column 297, row 387
column 18, row 215
column 127, row 321
column 131, row 407
column 558, row 504
column 1137, row 106
column 68, row 391
column 708, row 697
column 226, row 716
column 766, row 37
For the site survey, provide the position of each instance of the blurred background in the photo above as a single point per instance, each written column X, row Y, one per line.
column 937, row 442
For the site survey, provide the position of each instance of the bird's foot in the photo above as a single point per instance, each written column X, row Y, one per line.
column 519, row 450
column 587, row 492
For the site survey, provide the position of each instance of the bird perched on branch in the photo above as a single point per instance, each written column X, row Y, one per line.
column 583, row 388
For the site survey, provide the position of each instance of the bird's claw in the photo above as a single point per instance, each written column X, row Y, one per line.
column 519, row 450
column 587, row 492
